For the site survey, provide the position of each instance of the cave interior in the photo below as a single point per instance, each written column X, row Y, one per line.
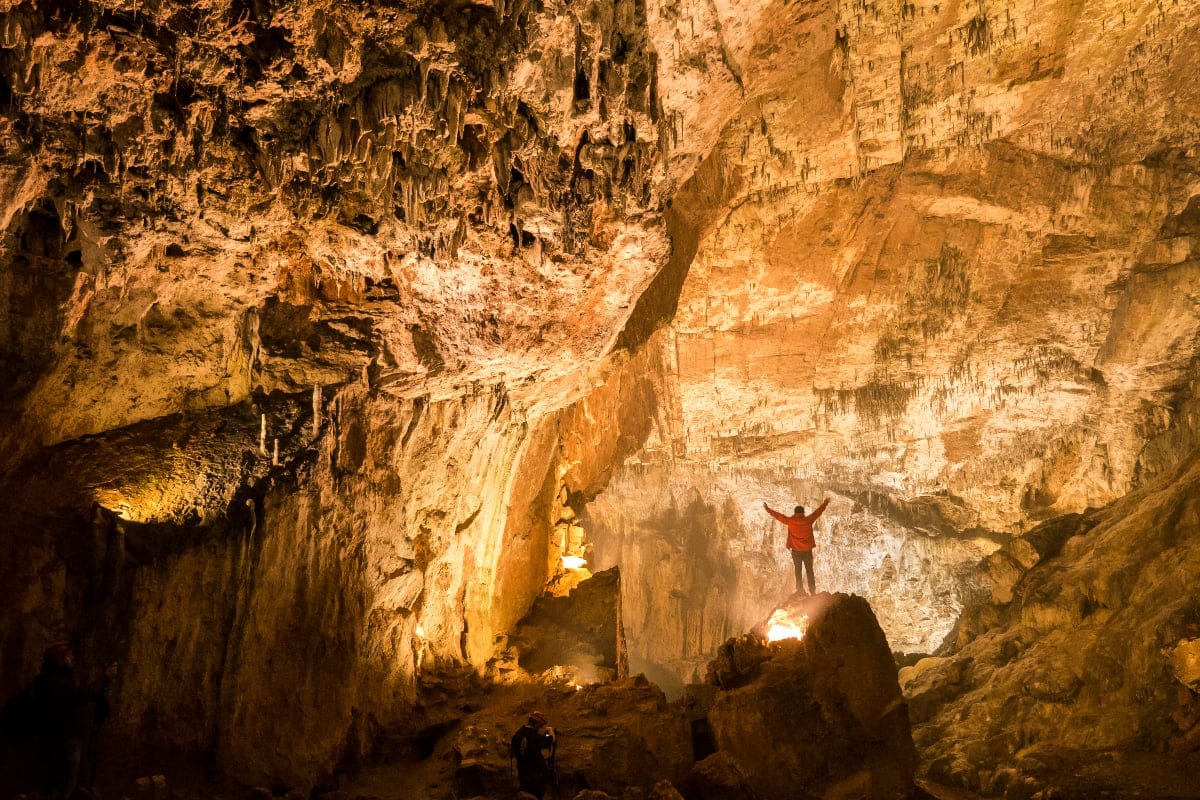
column 377, row 373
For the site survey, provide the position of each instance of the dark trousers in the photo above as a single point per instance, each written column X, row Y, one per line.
column 533, row 781
column 802, row 559
column 62, row 768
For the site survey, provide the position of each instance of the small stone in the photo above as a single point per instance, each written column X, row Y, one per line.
column 664, row 790
column 1185, row 663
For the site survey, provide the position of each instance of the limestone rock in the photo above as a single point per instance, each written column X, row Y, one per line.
column 663, row 790
column 818, row 717
column 580, row 633
column 720, row 777
column 1083, row 667
column 655, row 262
column 1185, row 663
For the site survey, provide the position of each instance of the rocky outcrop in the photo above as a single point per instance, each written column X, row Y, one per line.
column 816, row 718
column 819, row 717
column 578, row 637
column 612, row 738
column 1083, row 674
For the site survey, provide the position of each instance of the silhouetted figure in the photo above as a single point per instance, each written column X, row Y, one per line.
column 533, row 749
column 65, row 712
column 800, row 540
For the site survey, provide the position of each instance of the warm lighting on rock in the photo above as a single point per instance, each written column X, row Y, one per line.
column 574, row 562
column 782, row 625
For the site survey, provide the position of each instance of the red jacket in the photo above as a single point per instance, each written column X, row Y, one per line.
column 800, row 528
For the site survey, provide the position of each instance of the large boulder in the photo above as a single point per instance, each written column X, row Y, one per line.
column 816, row 717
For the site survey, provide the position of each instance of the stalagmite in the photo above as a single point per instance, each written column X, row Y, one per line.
column 316, row 410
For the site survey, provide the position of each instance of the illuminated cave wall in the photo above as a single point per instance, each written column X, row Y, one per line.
column 427, row 225
column 941, row 265
column 934, row 260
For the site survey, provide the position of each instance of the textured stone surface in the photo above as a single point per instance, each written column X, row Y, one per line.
column 936, row 261
column 428, row 223
column 614, row 738
column 1081, row 665
column 818, row 717
column 940, row 264
column 579, row 636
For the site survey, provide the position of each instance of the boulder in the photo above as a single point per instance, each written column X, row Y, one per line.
column 720, row 777
column 819, row 717
column 1185, row 663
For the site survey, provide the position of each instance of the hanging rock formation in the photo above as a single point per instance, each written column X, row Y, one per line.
column 326, row 329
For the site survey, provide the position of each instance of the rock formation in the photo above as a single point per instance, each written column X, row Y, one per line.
column 819, row 717
column 1084, row 661
column 327, row 330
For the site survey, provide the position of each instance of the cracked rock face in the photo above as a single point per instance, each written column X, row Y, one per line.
column 353, row 319
column 941, row 267
column 243, row 197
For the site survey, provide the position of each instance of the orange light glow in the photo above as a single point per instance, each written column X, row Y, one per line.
column 782, row 625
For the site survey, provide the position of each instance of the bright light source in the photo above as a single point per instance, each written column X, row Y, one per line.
column 574, row 562
column 782, row 625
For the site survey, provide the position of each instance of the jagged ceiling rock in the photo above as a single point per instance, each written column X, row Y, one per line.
column 204, row 201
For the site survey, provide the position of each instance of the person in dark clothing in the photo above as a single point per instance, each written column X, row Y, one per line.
column 533, row 749
column 801, row 541
column 65, row 712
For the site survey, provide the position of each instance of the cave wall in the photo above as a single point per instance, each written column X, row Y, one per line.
column 934, row 260
column 301, row 295
column 942, row 268
column 1078, row 663
column 292, row 615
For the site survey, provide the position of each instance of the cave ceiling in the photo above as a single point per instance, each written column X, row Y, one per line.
column 919, row 249
column 362, row 314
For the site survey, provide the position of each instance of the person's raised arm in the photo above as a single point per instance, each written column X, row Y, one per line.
column 820, row 510
column 775, row 513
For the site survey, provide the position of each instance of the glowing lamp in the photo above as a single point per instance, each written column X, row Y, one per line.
column 574, row 562
column 782, row 625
